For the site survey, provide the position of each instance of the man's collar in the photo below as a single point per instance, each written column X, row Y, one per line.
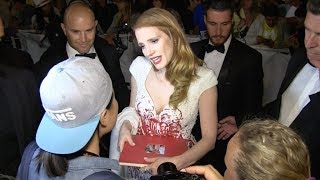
column 71, row 52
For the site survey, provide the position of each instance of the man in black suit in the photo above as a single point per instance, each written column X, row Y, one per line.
column 239, row 71
column 79, row 26
column 298, row 102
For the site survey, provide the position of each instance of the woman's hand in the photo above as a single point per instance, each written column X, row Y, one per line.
column 155, row 162
column 125, row 135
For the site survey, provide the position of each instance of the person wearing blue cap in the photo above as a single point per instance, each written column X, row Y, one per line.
column 77, row 96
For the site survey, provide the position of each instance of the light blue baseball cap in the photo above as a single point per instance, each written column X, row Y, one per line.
column 74, row 94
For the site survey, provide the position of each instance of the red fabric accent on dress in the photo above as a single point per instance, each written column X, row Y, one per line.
column 167, row 123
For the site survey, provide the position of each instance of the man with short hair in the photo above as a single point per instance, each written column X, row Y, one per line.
column 239, row 71
column 262, row 149
column 47, row 20
column 298, row 102
column 21, row 14
column 79, row 26
column 269, row 33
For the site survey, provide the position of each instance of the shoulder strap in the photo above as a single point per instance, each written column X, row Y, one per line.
column 26, row 159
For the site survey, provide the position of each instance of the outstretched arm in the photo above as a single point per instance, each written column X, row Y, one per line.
column 128, row 125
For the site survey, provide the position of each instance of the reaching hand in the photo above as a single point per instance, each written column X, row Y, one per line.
column 207, row 171
column 227, row 127
column 125, row 135
column 156, row 162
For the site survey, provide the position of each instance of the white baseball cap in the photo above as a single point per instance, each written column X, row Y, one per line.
column 74, row 94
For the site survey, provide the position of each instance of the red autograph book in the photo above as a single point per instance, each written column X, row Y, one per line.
column 151, row 146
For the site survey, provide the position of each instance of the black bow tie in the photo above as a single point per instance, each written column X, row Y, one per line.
column 210, row 48
column 89, row 55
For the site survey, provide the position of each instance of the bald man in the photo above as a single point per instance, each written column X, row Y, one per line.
column 79, row 26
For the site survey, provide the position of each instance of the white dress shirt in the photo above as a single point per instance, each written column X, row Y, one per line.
column 214, row 59
column 296, row 97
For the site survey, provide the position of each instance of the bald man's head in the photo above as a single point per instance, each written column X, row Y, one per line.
column 79, row 26
column 76, row 7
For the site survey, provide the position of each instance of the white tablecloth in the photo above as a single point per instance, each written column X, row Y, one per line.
column 274, row 64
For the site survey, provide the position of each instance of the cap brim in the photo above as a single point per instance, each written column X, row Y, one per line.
column 58, row 140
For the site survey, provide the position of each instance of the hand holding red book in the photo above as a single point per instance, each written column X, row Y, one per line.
column 151, row 146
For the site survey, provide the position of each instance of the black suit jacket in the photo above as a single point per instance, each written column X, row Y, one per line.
column 307, row 123
column 240, row 81
column 107, row 56
column 14, row 57
column 240, row 87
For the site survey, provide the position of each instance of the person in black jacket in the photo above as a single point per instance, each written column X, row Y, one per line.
column 21, row 112
column 298, row 102
column 20, row 105
column 240, row 76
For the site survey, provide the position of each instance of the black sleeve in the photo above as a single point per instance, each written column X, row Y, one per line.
column 110, row 60
column 52, row 56
column 250, row 101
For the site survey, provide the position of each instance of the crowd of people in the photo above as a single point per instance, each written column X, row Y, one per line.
column 68, row 115
column 279, row 23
